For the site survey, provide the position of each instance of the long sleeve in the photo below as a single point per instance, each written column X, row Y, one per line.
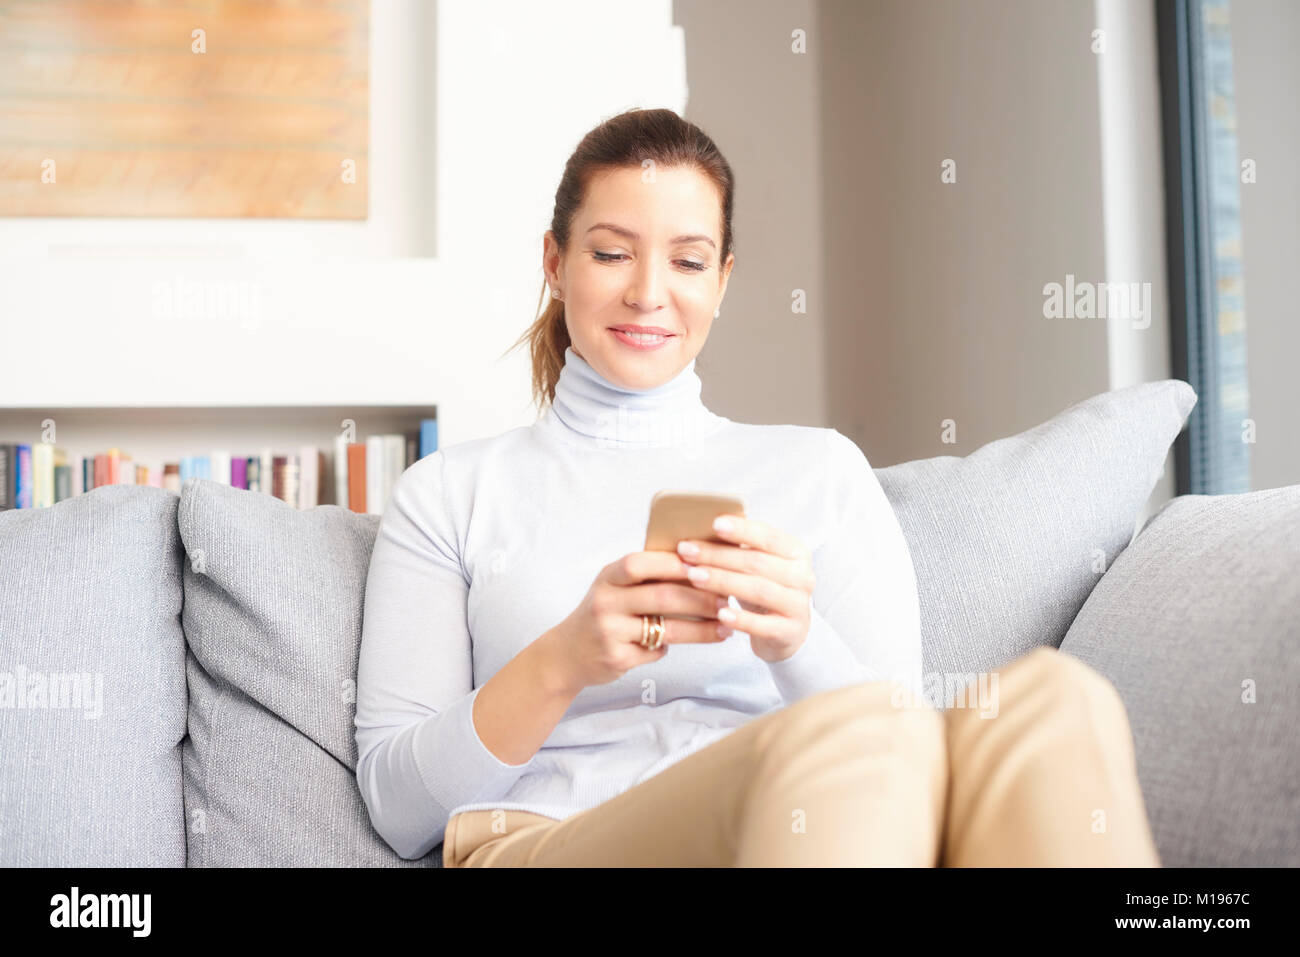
column 419, row 755
column 865, row 615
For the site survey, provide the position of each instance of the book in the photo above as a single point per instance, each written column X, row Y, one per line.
column 120, row 468
column 7, row 463
column 341, row 470
column 43, row 462
column 428, row 436
column 375, row 460
column 265, row 470
column 22, row 476
column 285, row 471
column 356, row 458
column 309, row 492
column 62, row 482
column 395, row 446
column 220, row 466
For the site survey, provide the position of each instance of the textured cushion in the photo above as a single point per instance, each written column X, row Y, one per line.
column 1008, row 541
column 1196, row 626
column 273, row 600
column 92, row 682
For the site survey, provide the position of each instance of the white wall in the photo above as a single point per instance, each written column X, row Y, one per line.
column 763, row 362
column 935, row 289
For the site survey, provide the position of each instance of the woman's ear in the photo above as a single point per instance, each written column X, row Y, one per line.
column 726, row 276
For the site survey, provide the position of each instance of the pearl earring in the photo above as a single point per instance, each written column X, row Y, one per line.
column 716, row 313
column 555, row 294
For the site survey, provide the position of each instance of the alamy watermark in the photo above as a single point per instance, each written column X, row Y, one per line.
column 1103, row 300
column 129, row 911
column 23, row 689
column 631, row 427
column 946, row 690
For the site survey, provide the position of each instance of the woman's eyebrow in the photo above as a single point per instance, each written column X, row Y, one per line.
column 624, row 231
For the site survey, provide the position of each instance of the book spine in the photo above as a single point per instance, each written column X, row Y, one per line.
column 239, row 472
column 62, row 483
column 375, row 474
column 428, row 437
column 42, row 475
column 6, row 470
column 286, row 479
column 23, row 485
column 357, row 476
column 220, row 465
column 395, row 465
column 341, row 470
column 309, row 477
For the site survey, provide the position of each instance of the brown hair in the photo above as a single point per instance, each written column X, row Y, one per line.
column 625, row 140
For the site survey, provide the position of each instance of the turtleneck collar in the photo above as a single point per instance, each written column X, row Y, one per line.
column 589, row 410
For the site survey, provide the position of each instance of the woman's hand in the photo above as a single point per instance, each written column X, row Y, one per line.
column 769, row 572
column 601, row 640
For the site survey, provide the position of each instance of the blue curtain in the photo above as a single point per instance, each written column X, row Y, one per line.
column 1203, row 219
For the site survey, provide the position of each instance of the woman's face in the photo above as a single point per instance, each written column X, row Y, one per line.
column 641, row 253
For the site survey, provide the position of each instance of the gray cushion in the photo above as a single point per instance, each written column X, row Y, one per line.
column 1206, row 599
column 91, row 587
column 273, row 600
column 1008, row 541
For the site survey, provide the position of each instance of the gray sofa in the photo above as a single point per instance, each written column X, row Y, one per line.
column 177, row 673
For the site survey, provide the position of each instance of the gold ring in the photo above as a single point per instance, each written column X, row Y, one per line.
column 652, row 634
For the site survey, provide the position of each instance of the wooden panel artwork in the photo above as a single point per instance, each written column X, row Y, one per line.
column 205, row 108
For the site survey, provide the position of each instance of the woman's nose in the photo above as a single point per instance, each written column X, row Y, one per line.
column 649, row 286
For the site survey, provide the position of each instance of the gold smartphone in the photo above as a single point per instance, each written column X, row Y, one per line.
column 678, row 515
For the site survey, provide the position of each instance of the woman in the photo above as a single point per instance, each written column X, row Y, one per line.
column 518, row 692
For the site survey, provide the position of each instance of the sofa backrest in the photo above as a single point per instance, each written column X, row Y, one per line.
column 1009, row 541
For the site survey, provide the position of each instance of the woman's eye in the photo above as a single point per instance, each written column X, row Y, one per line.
column 689, row 264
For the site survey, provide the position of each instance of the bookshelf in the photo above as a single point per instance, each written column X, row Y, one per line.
column 153, row 435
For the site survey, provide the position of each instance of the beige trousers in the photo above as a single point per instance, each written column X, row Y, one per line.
column 1042, row 773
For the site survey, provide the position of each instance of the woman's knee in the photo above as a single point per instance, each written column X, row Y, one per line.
column 1073, row 683
column 880, row 712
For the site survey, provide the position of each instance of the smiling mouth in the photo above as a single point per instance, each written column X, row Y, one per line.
column 646, row 338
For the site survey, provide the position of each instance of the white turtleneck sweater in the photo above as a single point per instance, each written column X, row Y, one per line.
column 487, row 544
